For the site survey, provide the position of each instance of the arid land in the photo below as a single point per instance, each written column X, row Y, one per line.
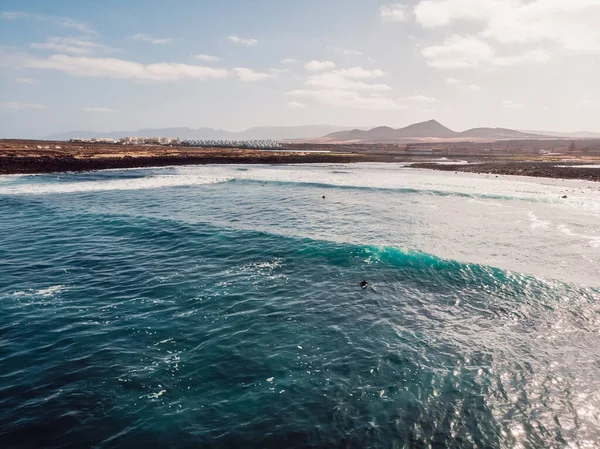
column 543, row 158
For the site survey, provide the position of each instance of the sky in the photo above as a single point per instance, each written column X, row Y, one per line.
column 111, row 65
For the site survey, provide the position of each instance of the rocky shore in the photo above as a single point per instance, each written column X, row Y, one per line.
column 30, row 157
column 561, row 170
column 50, row 164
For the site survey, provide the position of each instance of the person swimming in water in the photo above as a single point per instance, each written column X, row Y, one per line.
column 364, row 284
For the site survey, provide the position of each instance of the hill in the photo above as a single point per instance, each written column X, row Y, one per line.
column 429, row 130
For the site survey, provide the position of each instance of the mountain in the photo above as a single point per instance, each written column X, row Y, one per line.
column 385, row 134
column 497, row 133
column 575, row 135
column 257, row 133
column 430, row 128
column 419, row 132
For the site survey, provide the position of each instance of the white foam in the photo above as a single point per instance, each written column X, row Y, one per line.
column 536, row 222
column 50, row 290
column 151, row 182
column 593, row 240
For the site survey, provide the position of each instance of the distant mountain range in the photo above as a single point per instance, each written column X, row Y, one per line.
column 258, row 133
column 429, row 130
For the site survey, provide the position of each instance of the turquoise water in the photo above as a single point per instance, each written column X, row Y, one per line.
column 219, row 306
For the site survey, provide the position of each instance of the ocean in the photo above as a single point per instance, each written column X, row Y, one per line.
column 220, row 307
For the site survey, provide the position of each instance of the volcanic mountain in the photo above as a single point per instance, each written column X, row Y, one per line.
column 429, row 130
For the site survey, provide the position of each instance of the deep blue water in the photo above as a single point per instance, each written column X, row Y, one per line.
column 220, row 307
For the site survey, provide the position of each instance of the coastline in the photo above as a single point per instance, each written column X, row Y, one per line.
column 530, row 169
column 38, row 157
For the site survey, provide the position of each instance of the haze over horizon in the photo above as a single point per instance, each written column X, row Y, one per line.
column 233, row 65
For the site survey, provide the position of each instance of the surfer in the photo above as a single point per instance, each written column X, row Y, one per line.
column 364, row 284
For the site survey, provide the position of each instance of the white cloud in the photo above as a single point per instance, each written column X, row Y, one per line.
column 475, row 87
column 347, row 99
column 98, row 109
column 511, row 104
column 241, row 41
column 458, row 52
column 452, row 81
column 394, row 12
column 27, row 80
column 77, row 46
column 348, row 79
column 346, row 51
column 421, row 99
column 360, row 73
column 289, row 61
column 123, row 69
column 296, row 105
column 72, row 24
column 315, row 66
column 432, row 14
column 12, row 15
column 247, row 75
column 531, row 56
column 17, row 105
column 334, row 80
column 207, row 58
column 151, row 39
column 571, row 25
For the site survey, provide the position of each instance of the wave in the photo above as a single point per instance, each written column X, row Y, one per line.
column 131, row 183
column 408, row 190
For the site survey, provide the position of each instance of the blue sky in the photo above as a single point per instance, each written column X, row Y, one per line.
column 232, row 64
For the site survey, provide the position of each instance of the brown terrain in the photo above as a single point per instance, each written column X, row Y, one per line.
column 543, row 158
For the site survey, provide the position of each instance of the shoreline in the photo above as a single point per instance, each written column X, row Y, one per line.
column 529, row 169
column 47, row 164
column 26, row 157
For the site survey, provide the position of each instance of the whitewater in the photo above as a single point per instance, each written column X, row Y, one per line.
column 219, row 306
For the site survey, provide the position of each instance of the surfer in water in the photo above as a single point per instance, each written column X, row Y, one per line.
column 364, row 284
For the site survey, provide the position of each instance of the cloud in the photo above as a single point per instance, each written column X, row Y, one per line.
column 17, row 105
column 347, row 99
column 360, row 73
column 421, row 99
column 153, row 40
column 72, row 24
column 98, row 109
column 27, row 81
column 289, row 61
column 123, row 69
column 247, row 75
column 570, row 25
column 531, row 56
column 346, row 51
column 207, row 58
column 336, row 81
column 433, row 14
column 241, row 41
column 12, row 15
column 394, row 12
column 350, row 79
column 295, row 105
column 315, row 66
column 457, row 82
column 458, row 52
column 511, row 104
column 77, row 46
